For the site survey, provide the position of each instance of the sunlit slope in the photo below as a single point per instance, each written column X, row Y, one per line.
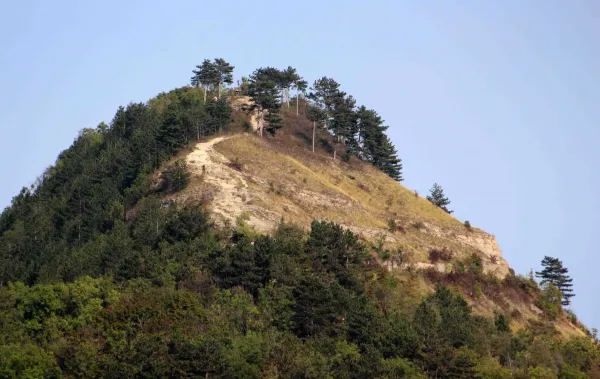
column 245, row 178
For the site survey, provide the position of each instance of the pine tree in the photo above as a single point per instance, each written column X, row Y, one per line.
column 288, row 78
column 374, row 146
column 554, row 273
column 324, row 92
column 464, row 365
column 316, row 115
column 223, row 73
column 343, row 122
column 274, row 121
column 264, row 91
column 204, row 76
column 388, row 161
column 300, row 86
column 437, row 197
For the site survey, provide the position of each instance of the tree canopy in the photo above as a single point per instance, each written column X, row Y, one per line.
column 438, row 198
column 554, row 273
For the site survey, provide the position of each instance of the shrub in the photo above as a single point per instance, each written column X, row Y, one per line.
column 501, row 322
column 550, row 301
column 467, row 225
column 474, row 265
column 525, row 284
column 516, row 314
column 571, row 316
column 236, row 164
column 392, row 225
column 176, row 177
column 444, row 255
column 459, row 268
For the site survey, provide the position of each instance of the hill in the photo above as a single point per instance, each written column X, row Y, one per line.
column 230, row 177
column 193, row 237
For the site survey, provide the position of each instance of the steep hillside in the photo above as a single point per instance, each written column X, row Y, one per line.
column 265, row 181
column 176, row 242
column 246, row 179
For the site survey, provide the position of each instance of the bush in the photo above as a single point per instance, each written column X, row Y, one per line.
column 501, row 322
column 444, row 255
column 467, row 224
column 176, row 177
column 571, row 316
column 516, row 314
column 236, row 164
column 392, row 225
column 474, row 265
column 525, row 284
column 550, row 301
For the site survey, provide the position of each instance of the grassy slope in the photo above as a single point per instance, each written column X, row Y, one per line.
column 281, row 177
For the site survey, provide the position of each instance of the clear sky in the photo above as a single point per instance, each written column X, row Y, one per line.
column 498, row 101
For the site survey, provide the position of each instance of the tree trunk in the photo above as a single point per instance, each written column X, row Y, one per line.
column 219, row 91
column 314, row 132
column 260, row 122
column 205, row 88
column 287, row 97
column 297, row 102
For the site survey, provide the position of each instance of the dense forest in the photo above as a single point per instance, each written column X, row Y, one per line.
column 101, row 278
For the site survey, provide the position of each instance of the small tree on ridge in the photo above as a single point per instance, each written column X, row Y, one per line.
column 436, row 197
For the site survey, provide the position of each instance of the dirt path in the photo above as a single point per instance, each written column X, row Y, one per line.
column 228, row 189
column 227, row 186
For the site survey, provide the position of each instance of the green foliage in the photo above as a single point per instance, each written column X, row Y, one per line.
column 540, row 372
column 375, row 146
column 550, row 301
column 554, row 273
column 65, row 221
column 264, row 89
column 27, row 361
column 183, row 301
column 501, row 322
column 438, row 198
column 177, row 176
column 213, row 74
column 392, row 225
column 100, row 277
column 465, row 364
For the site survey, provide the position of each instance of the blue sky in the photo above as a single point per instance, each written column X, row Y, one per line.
column 495, row 100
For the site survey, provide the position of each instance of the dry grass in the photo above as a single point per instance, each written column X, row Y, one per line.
column 287, row 179
column 284, row 179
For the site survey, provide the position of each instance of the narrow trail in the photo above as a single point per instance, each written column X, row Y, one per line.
column 228, row 187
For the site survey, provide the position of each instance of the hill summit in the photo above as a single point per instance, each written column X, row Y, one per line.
column 244, row 232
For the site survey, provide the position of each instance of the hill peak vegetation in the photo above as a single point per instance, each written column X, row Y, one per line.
column 102, row 275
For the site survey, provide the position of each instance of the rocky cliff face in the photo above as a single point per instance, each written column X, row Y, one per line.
column 487, row 244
